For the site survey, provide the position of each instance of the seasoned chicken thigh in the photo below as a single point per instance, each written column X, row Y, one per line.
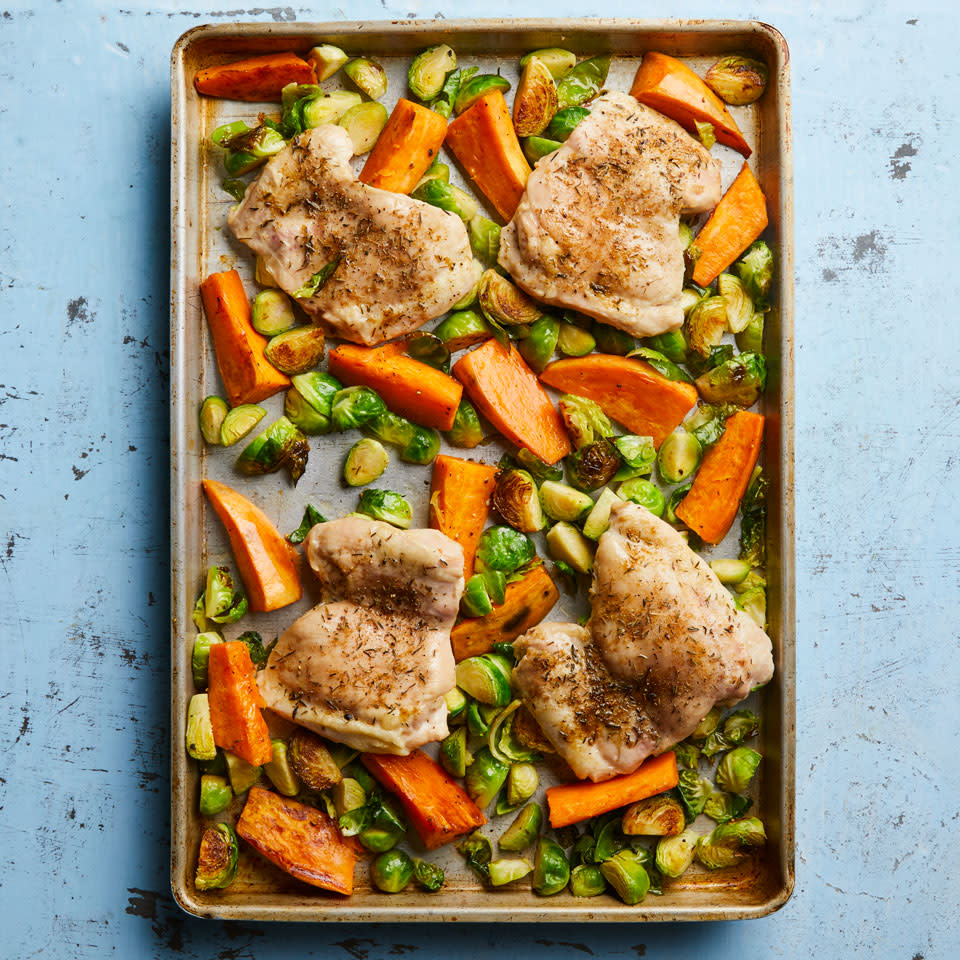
column 399, row 262
column 597, row 227
column 371, row 670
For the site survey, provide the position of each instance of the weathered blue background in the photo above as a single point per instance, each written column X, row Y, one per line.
column 84, row 110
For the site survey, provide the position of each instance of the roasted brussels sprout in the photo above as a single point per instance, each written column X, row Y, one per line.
column 329, row 108
column 536, row 148
column 673, row 501
column 327, row 60
column 583, row 82
column 368, row 75
column 739, row 380
column 738, row 80
column 675, row 853
column 239, row 421
column 625, row 872
column 484, row 777
column 218, row 858
column 737, row 768
column 503, row 548
column 739, row 726
column 475, row 601
column 423, row 447
column 502, row 302
column 503, row 871
column 200, row 659
column 688, row 755
column 694, row 791
column 608, row 836
column 311, row 761
column 454, row 755
column 558, row 61
column 439, row 193
column 723, row 807
column 730, row 571
column 477, row 851
column 562, row 502
column 466, row 430
column 280, row 445
column 522, row 783
column 474, row 88
column 384, row 826
column 280, row 772
column 686, row 238
column 539, row 469
column 318, row 390
column 311, row 517
column 200, row 743
column 462, row 329
column 536, row 99
column 348, row 795
column 661, row 363
column 586, row 880
column 354, row 407
column 706, row 324
column 428, row 875
column 296, row 351
column 538, row 346
column 638, row 455
column 247, row 147
column 272, row 313
column 386, row 505
column 569, row 546
column 524, row 829
column 642, row 491
column 484, row 237
column 223, row 601
column 215, row 795
column 429, row 71
column 551, row 870
column 315, row 281
column 594, row 465
column 391, row 871
column 679, row 456
column 707, row 725
column 673, row 345
column 739, row 306
column 304, row 416
column 574, row 341
column 755, row 269
column 750, row 338
column 259, row 654
column 364, row 123
column 753, row 511
column 585, row 421
column 479, row 718
column 708, row 423
column 486, row 678
column 611, row 340
column 658, row 816
column 213, row 410
column 366, row 460
column 565, row 121
column 456, row 703
column 599, row 518
column 730, row 843
column 242, row 775
column 517, row 500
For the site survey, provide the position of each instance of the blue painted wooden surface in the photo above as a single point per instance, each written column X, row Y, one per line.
column 84, row 110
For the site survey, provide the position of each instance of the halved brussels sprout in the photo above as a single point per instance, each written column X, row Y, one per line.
column 348, row 795
column 536, row 148
column 312, row 762
column 259, row 653
column 539, row 469
column 574, row 341
column 686, row 238
column 565, row 121
column 272, row 312
column 730, row 843
column 280, row 445
column 436, row 171
column 586, row 880
column 730, row 571
column 329, row 108
column 364, row 123
column 625, row 872
column 218, row 858
column 738, row 80
column 642, row 491
column 739, row 306
column 213, row 410
column 484, row 777
column 303, row 415
column 679, row 456
column 503, row 302
column 551, row 870
column 594, row 465
column 688, row 756
column 538, row 346
column 583, row 82
column 423, row 446
column 524, row 829
column 239, row 421
column 673, row 345
column 638, row 454
column 707, row 725
column 474, row 88
column 477, row 851
column 368, row 75
column 439, row 193
column 262, row 274
column 354, row 407
column 384, row 826
column 501, row 739
column 557, row 60
column 318, row 389
column 675, row 853
column 611, row 340
column 466, row 430
column 706, row 324
column 723, row 807
column 750, row 338
column 327, row 60
column 503, row 871
column 562, row 502
column 661, row 364
column 366, row 460
column 454, row 755
column 475, row 601
column 737, row 768
column 428, row 875
column 599, row 518
column 585, row 421
column 568, row 545
column 658, row 816
column 739, row 380
column 522, row 783
column 517, row 500
column 456, row 703
column 463, row 329
column 694, row 791
column 755, row 269
column 388, row 506
column 223, row 602
column 430, row 69
column 391, row 871
column 503, row 548
column 242, row 775
column 479, row 718
column 296, row 351
column 280, row 772
column 536, row 99
column 200, row 659
column 215, row 795
column 484, row 237
column 393, row 429
column 247, row 147
column 200, row 743
column 736, row 728
column 486, row 678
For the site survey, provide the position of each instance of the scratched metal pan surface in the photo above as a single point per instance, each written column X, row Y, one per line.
column 201, row 244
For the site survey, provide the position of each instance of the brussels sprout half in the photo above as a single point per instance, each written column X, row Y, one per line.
column 736, row 769
column 672, row 345
column 739, row 306
column 239, row 421
column 638, row 455
column 475, row 601
column 429, row 71
column 296, row 351
column 348, row 795
column 586, row 880
column 354, row 407
column 694, row 791
column 517, row 500
column 484, row 237
column 454, row 755
column 675, row 853
column 599, row 519
column 679, row 456
column 280, row 772
column 611, row 340
column 536, row 148
column 569, row 546
column 557, row 60
column 222, row 601
column 658, row 816
column 594, row 465
column 522, row 783
column 439, row 193
column 574, row 341
column 642, row 491
column 466, row 430
column 565, row 121
column 218, row 858
column 706, row 324
column 428, row 875
column 524, row 829
column 503, row 302
column 723, row 807
column 387, row 506
column 584, row 419
column 311, row 761
column 368, row 75
column 462, row 329
column 551, row 870
column 272, row 312
column 200, row 743
column 540, row 343
column 364, row 124
column 215, row 795
column 486, row 678
column 739, row 380
column 200, row 659
column 280, row 445
column 661, row 363
column 750, row 338
column 504, row 871
column 536, row 101
column 625, row 872
column 755, row 269
column 738, row 80
column 213, row 411
column 730, row 843
column 563, row 502
column 583, row 82
column 484, row 777
column 328, row 108
column 242, row 775
column 474, row 88
column 327, row 59
column 366, row 460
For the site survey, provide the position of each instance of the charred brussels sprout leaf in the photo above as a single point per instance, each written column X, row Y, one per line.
column 755, row 268
column 466, row 430
column 366, row 460
column 536, row 99
column 565, row 121
column 327, row 59
column 364, row 124
column 540, row 343
column 462, row 329
column 391, row 871
column 259, row 654
column 296, row 351
column 594, row 465
column 517, row 500
column 429, row 71
column 236, row 188
column 585, row 421
column 718, row 355
column 478, row 853
column 428, row 875
column 247, row 147
column 218, row 859
column 557, row 60
column 317, row 280
column 723, row 807
column 737, row 768
column 539, row 469
column 503, row 302
column 738, row 80
column 368, row 75
column 583, row 82
column 280, row 445
column 739, row 380
column 709, row 422
column 355, row 407
column 213, row 410
column 694, row 791
column 753, row 510
column 484, row 237
column 661, row 363
column 471, row 90
column 675, row 854
column 223, row 602
column 505, row 549
column 730, row 843
column 551, row 870
column 439, row 193
column 387, row 506
column 311, row 517
column 638, row 455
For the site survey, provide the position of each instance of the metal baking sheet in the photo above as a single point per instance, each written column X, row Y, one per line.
column 201, row 244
